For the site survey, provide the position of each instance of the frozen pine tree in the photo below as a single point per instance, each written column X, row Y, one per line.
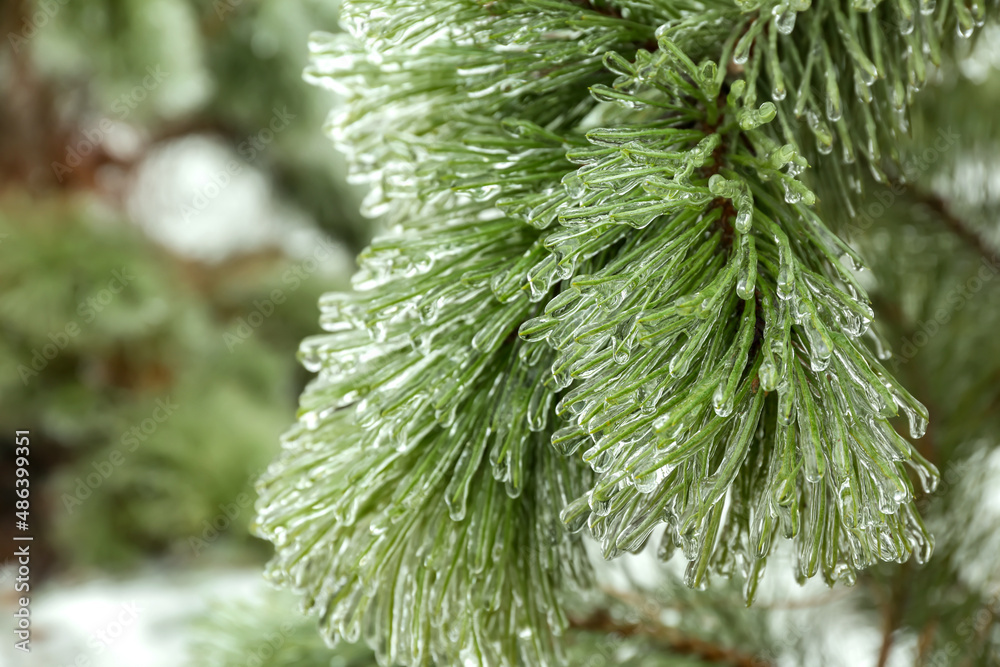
column 620, row 299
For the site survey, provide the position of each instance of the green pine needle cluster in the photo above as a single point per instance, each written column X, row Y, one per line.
column 609, row 298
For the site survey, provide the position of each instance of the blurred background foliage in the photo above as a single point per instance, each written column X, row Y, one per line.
column 169, row 215
column 138, row 141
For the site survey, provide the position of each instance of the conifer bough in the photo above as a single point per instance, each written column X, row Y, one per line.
column 608, row 299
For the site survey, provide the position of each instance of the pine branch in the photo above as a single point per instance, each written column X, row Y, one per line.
column 689, row 327
column 956, row 225
column 925, row 642
column 676, row 642
column 892, row 612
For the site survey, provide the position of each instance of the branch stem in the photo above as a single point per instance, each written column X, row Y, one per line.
column 602, row 621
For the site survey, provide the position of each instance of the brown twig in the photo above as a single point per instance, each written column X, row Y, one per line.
column 897, row 597
column 678, row 642
column 925, row 641
column 887, row 640
column 725, row 221
column 957, row 226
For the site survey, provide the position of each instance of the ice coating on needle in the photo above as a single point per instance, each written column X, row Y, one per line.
column 605, row 299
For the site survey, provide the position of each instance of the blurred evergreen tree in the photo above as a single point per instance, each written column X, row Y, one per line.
column 154, row 421
column 223, row 69
column 178, row 331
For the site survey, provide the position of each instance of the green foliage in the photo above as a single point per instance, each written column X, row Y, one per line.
column 266, row 631
column 610, row 291
column 227, row 65
column 945, row 317
column 150, row 423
